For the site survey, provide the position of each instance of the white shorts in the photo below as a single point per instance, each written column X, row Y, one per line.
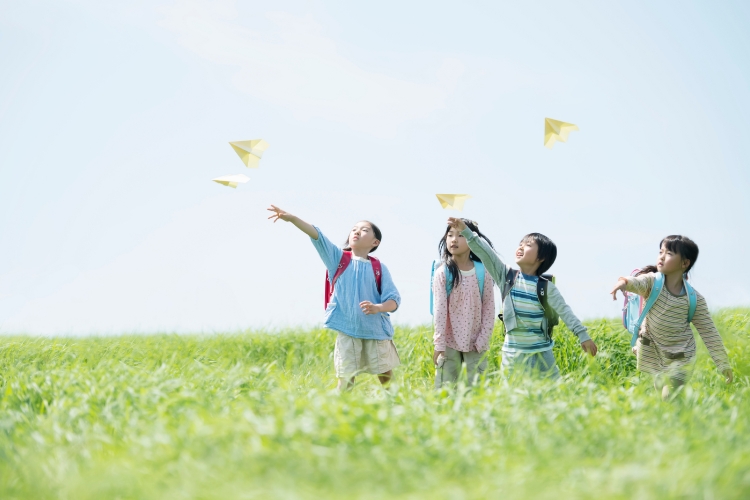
column 353, row 356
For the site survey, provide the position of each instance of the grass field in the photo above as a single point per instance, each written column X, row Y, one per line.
column 255, row 415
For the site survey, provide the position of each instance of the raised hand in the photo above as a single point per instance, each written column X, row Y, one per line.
column 457, row 223
column 279, row 214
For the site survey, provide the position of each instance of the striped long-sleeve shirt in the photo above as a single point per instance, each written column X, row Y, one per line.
column 528, row 336
column 667, row 344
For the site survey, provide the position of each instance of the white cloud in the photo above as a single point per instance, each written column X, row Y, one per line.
column 296, row 66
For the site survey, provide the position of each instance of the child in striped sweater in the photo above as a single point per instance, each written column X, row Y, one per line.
column 666, row 345
column 528, row 343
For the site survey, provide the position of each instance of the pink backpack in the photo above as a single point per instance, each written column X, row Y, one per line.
column 346, row 259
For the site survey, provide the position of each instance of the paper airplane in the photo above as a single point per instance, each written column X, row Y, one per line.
column 555, row 130
column 232, row 180
column 454, row 201
column 250, row 152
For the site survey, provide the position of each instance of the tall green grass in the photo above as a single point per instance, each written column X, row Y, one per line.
column 255, row 415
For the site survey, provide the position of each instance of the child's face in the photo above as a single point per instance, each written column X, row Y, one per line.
column 528, row 252
column 362, row 237
column 670, row 262
column 455, row 242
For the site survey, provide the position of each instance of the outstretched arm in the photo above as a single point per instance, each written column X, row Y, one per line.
column 483, row 250
column 557, row 302
column 303, row 226
column 622, row 284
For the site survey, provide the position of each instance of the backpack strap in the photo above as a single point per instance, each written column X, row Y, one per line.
column 481, row 273
column 655, row 291
column 377, row 270
column 510, row 280
column 541, row 293
column 346, row 259
column 692, row 299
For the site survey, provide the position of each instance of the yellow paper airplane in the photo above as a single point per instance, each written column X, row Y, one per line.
column 555, row 130
column 454, row 201
column 232, row 180
column 250, row 152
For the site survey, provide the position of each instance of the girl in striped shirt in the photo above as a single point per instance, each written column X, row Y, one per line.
column 464, row 318
column 666, row 345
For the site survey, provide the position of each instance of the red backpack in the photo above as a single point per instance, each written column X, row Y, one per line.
column 346, row 259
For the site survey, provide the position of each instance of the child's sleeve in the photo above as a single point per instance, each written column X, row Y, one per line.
column 440, row 309
column 388, row 289
column 566, row 313
column 710, row 336
column 487, row 255
column 488, row 314
column 329, row 253
column 640, row 285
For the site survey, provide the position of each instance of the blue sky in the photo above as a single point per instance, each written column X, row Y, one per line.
column 114, row 116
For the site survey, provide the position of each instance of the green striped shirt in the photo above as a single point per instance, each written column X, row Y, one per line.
column 528, row 335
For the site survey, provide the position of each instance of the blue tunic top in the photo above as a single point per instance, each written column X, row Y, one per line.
column 356, row 284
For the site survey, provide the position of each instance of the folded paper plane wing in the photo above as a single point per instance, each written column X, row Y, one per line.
column 555, row 130
column 250, row 152
column 453, row 201
column 232, row 180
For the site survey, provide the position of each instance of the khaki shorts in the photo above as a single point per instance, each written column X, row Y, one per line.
column 353, row 356
column 448, row 366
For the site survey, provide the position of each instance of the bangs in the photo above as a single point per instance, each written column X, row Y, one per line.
column 529, row 238
column 674, row 245
column 683, row 246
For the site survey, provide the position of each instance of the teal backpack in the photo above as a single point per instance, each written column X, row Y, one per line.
column 478, row 266
column 635, row 309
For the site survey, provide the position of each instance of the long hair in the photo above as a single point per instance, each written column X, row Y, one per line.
column 676, row 243
column 378, row 236
column 546, row 251
column 447, row 258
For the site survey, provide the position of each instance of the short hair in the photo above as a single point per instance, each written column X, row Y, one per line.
column 547, row 252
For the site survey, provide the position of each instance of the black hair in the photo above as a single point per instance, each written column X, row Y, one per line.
column 447, row 258
column 546, row 253
column 678, row 244
column 378, row 236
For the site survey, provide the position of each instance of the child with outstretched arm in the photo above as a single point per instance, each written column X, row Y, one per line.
column 528, row 341
column 363, row 296
column 666, row 344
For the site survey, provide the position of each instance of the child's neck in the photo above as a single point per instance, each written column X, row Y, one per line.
column 463, row 261
column 528, row 270
column 361, row 253
column 674, row 282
